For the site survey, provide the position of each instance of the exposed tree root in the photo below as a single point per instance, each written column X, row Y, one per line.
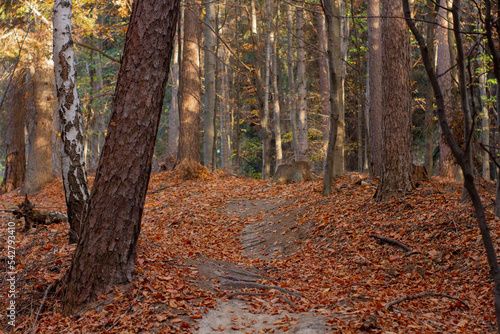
column 392, row 242
column 390, row 305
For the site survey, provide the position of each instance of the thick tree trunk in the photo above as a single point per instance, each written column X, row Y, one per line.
column 39, row 167
column 447, row 166
column 291, row 82
column 302, row 88
column 375, row 87
column 106, row 251
column 210, row 86
column 15, row 156
column 73, row 164
column 190, row 88
column 331, row 9
column 396, row 179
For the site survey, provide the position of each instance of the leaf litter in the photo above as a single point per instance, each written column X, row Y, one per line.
column 237, row 255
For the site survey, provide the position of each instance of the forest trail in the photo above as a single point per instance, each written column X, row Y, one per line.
column 236, row 255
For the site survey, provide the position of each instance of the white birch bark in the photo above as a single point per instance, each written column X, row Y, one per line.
column 73, row 163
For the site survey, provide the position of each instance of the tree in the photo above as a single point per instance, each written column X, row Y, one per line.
column 375, row 87
column 291, row 81
column 302, row 135
column 106, row 250
column 429, row 93
column 323, row 75
column 39, row 167
column 396, row 178
column 70, row 114
column 276, row 101
column 190, row 88
column 331, row 8
column 15, row 156
column 210, row 86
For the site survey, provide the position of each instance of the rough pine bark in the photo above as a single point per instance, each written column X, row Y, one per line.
column 210, row 86
column 70, row 114
column 106, row 251
column 331, row 9
column 190, row 88
column 447, row 166
column 302, row 88
column 15, row 156
column 396, row 179
column 39, row 166
column 375, row 87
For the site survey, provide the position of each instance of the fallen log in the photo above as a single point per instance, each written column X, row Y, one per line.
column 34, row 217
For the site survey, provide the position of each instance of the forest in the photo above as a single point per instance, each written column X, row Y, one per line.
column 249, row 166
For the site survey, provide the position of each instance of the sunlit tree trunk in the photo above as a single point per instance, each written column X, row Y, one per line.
column 39, row 167
column 324, row 85
column 291, row 81
column 70, row 113
column 375, row 87
column 190, row 88
column 302, row 88
column 15, row 155
column 225, row 113
column 276, row 103
column 106, row 251
column 210, row 86
column 396, row 179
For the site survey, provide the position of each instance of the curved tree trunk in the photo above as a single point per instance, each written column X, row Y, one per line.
column 106, row 251
column 396, row 179
column 190, row 89
column 15, row 156
column 73, row 164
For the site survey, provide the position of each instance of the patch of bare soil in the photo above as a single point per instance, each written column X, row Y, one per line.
column 271, row 231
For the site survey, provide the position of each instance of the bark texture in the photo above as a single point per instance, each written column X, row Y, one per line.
column 331, row 9
column 210, row 87
column 396, row 179
column 375, row 87
column 15, row 156
column 70, row 114
column 39, row 167
column 106, row 251
column 190, row 89
column 291, row 81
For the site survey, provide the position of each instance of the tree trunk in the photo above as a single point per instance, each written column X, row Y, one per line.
column 15, row 155
column 225, row 113
column 429, row 93
column 190, row 88
column 485, row 121
column 375, row 87
column 302, row 88
column 210, row 86
column 338, row 159
column 265, row 121
column 106, row 251
column 276, row 102
column 324, row 85
column 173, row 112
column 70, row 113
column 396, row 179
column 39, row 167
column 331, row 9
column 447, row 166
column 291, row 82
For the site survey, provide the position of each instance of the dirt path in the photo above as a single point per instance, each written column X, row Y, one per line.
column 270, row 232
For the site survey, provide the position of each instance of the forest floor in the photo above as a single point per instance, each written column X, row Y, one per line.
column 236, row 255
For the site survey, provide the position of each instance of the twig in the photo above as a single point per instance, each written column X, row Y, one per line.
column 41, row 305
column 390, row 305
column 385, row 240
